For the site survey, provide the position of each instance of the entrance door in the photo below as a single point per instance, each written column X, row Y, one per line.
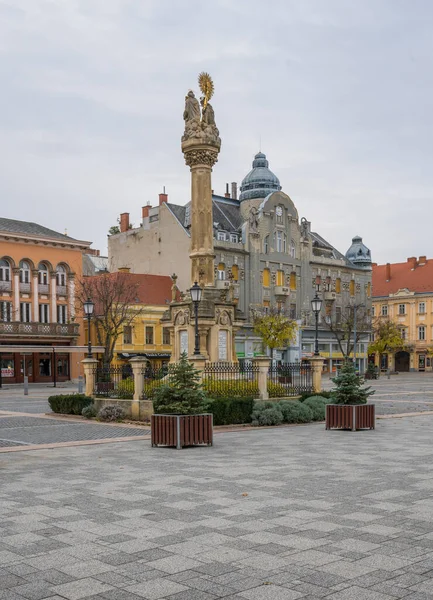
column 402, row 362
column 26, row 367
column 421, row 362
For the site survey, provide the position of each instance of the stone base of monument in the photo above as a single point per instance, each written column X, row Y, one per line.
column 179, row 431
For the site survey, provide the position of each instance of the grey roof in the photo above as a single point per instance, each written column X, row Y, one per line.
column 178, row 211
column 28, row 228
column 226, row 213
column 260, row 181
column 320, row 242
column 358, row 253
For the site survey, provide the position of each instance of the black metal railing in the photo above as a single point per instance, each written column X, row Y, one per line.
column 289, row 379
column 153, row 378
column 224, row 379
column 114, row 382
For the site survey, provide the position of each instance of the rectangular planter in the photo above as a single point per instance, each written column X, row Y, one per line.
column 182, row 430
column 358, row 416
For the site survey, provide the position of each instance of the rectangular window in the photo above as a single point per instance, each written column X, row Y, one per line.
column 280, row 277
column 149, row 335
column 44, row 311
column 403, row 333
column 25, row 312
column 165, row 336
column 421, row 332
column 338, row 314
column 384, row 310
column 234, row 238
column 279, row 241
column 421, row 308
column 293, row 311
column 62, row 313
column 402, row 309
column 221, row 236
column 352, row 287
column 127, row 334
column 6, row 311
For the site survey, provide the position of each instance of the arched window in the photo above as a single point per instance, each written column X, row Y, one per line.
column 221, row 272
column 235, row 273
column 292, row 249
column 61, row 276
column 266, row 278
column 5, row 270
column 266, row 245
column 280, row 277
column 43, row 274
column 293, row 280
column 24, row 272
column 281, row 242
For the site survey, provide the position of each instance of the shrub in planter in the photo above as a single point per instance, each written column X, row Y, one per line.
column 317, row 406
column 266, row 413
column 111, row 412
column 231, row 411
column 69, row 404
column 89, row 412
column 349, row 387
column 295, row 412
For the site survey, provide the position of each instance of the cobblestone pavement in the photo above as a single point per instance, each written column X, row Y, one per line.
column 275, row 514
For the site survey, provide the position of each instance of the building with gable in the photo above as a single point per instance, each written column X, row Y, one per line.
column 265, row 256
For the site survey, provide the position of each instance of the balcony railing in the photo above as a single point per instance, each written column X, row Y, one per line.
column 25, row 287
column 16, row 328
column 5, row 286
column 61, row 290
column 44, row 288
column 282, row 290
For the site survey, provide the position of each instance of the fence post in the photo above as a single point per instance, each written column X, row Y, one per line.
column 199, row 363
column 137, row 363
column 89, row 366
column 262, row 362
column 316, row 368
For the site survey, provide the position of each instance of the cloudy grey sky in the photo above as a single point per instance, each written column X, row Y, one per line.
column 340, row 91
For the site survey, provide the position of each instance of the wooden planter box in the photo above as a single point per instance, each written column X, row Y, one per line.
column 358, row 416
column 182, row 430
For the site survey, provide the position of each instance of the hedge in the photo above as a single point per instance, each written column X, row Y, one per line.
column 231, row 411
column 230, row 388
column 69, row 404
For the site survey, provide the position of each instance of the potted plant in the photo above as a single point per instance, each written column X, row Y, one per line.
column 350, row 409
column 180, row 419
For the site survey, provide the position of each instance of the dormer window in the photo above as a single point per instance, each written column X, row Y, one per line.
column 234, row 238
column 221, row 236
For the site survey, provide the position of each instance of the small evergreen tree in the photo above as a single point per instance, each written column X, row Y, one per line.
column 183, row 394
column 371, row 372
column 349, row 388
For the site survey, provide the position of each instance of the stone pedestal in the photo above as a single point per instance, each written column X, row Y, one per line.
column 138, row 364
column 262, row 363
column 89, row 366
column 316, row 363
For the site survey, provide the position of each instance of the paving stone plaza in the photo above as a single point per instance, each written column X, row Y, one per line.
column 269, row 514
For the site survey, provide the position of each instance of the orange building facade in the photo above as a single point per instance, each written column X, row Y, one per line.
column 39, row 326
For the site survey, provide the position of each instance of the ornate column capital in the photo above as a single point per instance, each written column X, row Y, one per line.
column 35, row 273
column 205, row 156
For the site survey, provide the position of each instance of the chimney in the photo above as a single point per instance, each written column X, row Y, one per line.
column 124, row 222
column 145, row 211
column 124, row 269
column 227, row 194
column 234, row 190
column 422, row 260
column 388, row 271
column 163, row 198
column 412, row 262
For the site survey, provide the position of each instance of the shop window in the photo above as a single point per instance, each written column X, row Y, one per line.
column 7, row 365
column 235, row 273
column 43, row 274
column 338, row 285
column 221, row 272
column 352, row 287
column 44, row 312
column 25, row 312
column 149, row 335
column 45, row 367
column 24, row 272
column 61, row 276
column 266, row 278
column 62, row 365
column 166, row 336
column 280, row 277
column 293, row 280
column 5, row 311
column 127, row 334
column 62, row 313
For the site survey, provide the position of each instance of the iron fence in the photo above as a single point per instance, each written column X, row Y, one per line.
column 289, row 379
column 225, row 379
column 155, row 377
column 114, row 382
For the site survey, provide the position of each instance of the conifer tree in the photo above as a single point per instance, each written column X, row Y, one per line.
column 349, row 388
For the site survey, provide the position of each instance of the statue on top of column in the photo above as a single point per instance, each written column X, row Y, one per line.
column 201, row 124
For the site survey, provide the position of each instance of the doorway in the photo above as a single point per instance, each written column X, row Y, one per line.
column 402, row 361
column 26, row 367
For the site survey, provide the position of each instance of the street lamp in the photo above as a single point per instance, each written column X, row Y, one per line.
column 196, row 293
column 316, row 305
column 88, row 311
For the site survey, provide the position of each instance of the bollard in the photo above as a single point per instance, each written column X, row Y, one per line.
column 388, row 373
column 80, row 384
column 26, row 385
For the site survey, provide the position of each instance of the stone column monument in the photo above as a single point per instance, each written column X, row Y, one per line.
column 200, row 145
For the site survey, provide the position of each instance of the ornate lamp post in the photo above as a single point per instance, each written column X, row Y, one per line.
column 316, row 305
column 88, row 311
column 196, row 293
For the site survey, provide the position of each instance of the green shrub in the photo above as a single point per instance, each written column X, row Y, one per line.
column 277, row 390
column 231, row 411
column 125, row 388
column 230, row 388
column 325, row 393
column 89, row 411
column 295, row 411
column 317, row 406
column 266, row 413
column 69, row 404
column 111, row 412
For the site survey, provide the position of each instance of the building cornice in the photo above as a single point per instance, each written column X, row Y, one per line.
column 44, row 241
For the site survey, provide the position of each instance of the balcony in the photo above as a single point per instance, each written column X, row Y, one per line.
column 44, row 288
column 222, row 284
column 25, row 288
column 61, row 290
column 5, row 286
column 282, row 290
column 329, row 296
column 17, row 329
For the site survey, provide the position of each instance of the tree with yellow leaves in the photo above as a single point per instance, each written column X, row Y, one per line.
column 275, row 329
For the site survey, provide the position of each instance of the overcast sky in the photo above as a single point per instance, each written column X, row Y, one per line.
column 339, row 91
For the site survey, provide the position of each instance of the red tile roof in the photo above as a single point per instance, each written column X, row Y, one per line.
column 416, row 275
column 150, row 289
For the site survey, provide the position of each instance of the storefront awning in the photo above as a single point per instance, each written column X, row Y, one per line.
column 126, row 355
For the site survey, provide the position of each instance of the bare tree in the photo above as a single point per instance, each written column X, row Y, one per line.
column 115, row 296
column 347, row 324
